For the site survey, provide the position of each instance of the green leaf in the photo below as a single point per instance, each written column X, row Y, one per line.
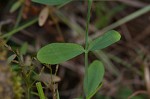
column 51, row 2
column 124, row 93
column 105, row 40
column 56, row 53
column 15, row 6
column 40, row 90
column 95, row 76
column 58, row 97
column 24, row 48
column 11, row 58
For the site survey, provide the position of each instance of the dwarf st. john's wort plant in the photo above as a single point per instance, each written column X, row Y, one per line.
column 56, row 53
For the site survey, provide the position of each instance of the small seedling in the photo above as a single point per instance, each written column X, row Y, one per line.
column 56, row 53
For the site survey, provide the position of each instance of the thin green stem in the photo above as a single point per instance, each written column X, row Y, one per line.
column 63, row 4
column 87, row 24
column 9, row 34
column 130, row 17
column 40, row 90
column 86, row 40
column 28, row 92
column 123, row 20
column 19, row 17
column 14, row 31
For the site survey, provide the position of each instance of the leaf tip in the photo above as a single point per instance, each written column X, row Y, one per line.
column 117, row 35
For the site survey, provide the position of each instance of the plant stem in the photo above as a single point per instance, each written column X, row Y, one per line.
column 19, row 17
column 40, row 90
column 14, row 31
column 87, row 24
column 9, row 34
column 28, row 92
column 86, row 40
column 63, row 4
column 123, row 21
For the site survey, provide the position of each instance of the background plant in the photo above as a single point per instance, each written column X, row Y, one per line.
column 126, row 66
column 57, row 53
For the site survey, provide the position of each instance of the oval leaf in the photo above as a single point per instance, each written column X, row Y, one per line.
column 15, row 6
column 43, row 16
column 51, row 2
column 95, row 76
column 105, row 40
column 11, row 58
column 56, row 53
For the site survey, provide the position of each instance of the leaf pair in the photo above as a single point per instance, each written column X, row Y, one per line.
column 57, row 53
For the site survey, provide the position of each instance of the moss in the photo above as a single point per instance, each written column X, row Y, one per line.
column 10, row 83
